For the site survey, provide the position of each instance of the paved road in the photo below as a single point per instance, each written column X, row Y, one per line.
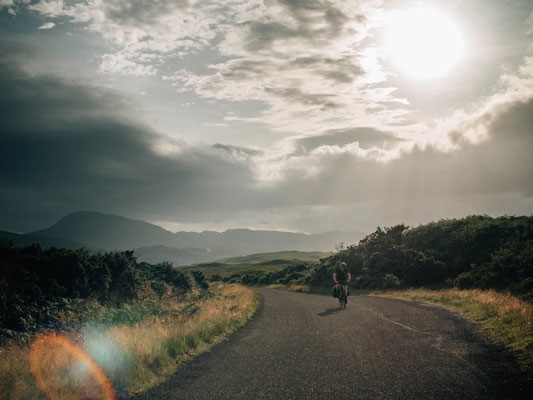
column 299, row 346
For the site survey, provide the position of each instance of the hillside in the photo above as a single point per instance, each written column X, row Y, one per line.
column 261, row 263
column 104, row 231
column 180, row 257
column 45, row 242
column 260, row 258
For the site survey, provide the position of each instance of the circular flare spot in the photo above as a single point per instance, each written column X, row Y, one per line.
column 63, row 370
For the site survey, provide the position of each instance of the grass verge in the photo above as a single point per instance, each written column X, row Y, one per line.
column 134, row 357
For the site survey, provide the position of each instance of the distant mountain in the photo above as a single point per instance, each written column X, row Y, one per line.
column 103, row 231
column 106, row 231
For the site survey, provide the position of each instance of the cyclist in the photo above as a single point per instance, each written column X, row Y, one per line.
column 342, row 276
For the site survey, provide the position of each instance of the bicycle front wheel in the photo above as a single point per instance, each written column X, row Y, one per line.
column 342, row 299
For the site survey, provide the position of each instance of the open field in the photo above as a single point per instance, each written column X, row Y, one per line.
column 260, row 262
column 133, row 357
column 279, row 255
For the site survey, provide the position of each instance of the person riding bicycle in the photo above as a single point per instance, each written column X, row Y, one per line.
column 342, row 276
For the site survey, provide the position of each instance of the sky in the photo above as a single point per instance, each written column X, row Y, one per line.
column 294, row 115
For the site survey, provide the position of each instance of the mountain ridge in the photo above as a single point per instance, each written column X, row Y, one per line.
column 107, row 231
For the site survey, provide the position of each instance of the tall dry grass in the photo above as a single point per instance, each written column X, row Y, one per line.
column 133, row 357
column 157, row 346
column 507, row 319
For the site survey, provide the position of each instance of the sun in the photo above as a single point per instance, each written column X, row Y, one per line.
column 423, row 43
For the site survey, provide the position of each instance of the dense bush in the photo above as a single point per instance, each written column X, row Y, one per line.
column 472, row 252
column 200, row 280
column 36, row 285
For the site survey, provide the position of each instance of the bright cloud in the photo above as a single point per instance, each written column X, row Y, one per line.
column 48, row 25
column 305, row 60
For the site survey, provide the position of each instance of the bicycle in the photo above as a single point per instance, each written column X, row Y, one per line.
column 343, row 294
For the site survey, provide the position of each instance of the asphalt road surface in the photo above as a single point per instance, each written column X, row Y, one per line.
column 300, row 346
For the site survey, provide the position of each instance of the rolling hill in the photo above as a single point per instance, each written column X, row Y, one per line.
column 260, row 262
column 262, row 258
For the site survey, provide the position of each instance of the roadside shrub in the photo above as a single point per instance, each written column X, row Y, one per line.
column 200, row 280
column 472, row 252
column 36, row 285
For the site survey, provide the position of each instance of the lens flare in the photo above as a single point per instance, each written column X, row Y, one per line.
column 63, row 370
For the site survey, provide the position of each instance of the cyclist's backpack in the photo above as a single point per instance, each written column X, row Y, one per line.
column 334, row 292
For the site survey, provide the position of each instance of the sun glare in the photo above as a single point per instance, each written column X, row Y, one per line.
column 423, row 43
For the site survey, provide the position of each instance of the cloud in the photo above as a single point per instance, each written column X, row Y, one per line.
column 67, row 146
column 141, row 32
column 9, row 5
column 47, row 25
column 472, row 124
column 366, row 137
column 479, row 164
column 315, row 65
column 352, row 158
column 490, row 177
column 304, row 60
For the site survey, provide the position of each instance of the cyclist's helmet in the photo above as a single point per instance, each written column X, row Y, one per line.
column 342, row 264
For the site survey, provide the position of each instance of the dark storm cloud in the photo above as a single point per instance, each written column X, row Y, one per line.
column 66, row 146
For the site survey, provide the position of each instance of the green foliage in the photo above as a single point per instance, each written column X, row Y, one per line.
column 37, row 287
column 200, row 280
column 165, row 274
column 472, row 252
